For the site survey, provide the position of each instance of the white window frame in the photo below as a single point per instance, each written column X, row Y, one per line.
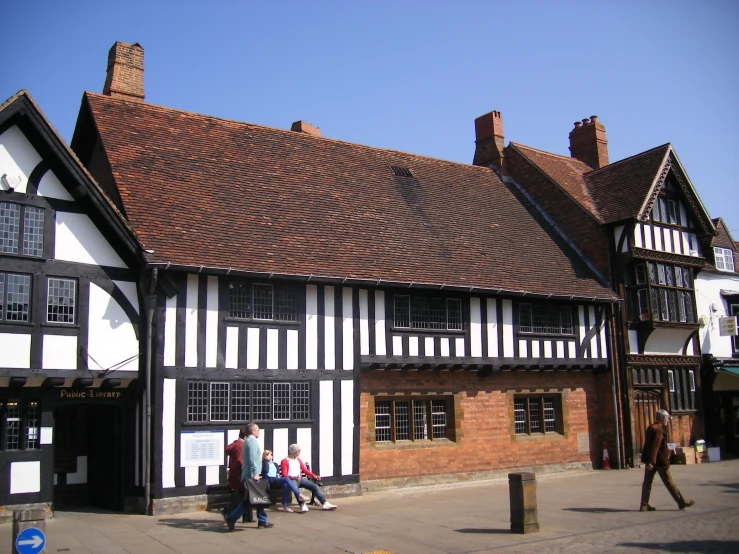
column 724, row 259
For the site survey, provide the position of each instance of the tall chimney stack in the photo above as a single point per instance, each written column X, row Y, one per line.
column 489, row 141
column 125, row 78
column 588, row 142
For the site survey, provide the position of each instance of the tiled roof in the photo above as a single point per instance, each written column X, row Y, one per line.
column 566, row 172
column 620, row 189
column 723, row 239
column 206, row 191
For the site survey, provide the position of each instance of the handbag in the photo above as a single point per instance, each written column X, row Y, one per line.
column 257, row 493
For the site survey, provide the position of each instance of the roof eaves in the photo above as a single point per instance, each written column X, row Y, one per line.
column 711, row 228
column 345, row 280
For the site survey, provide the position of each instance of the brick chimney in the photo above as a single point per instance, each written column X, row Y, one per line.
column 489, row 141
column 125, row 78
column 588, row 142
column 307, row 128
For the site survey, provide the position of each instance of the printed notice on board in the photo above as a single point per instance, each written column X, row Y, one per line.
column 201, row 448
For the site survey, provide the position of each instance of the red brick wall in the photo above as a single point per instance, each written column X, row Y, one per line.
column 483, row 422
column 589, row 236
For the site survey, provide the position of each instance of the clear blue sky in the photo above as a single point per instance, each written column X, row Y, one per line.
column 412, row 75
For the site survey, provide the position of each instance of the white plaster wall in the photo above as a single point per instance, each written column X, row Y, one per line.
column 273, row 348
column 380, row 343
column 17, row 157
column 712, row 306
column 413, row 346
column 111, row 339
column 80, row 476
column 232, row 347
column 168, row 433
column 252, row 348
column 666, row 341
column 306, row 452
column 329, row 329
column 311, row 327
column 191, row 322
column 347, row 426
column 292, row 349
column 170, row 330
column 78, row 240
column 507, row 307
column 211, row 323
column 347, row 327
column 16, row 350
column 130, row 291
column 492, row 328
column 363, row 322
column 280, row 442
column 326, row 427
column 475, row 328
column 25, row 477
column 51, row 187
column 59, row 352
column 633, row 342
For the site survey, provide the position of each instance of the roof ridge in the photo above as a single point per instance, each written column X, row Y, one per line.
column 287, row 132
column 568, row 158
column 632, row 157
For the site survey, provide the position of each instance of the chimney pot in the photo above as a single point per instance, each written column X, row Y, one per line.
column 125, row 75
column 305, row 127
column 588, row 142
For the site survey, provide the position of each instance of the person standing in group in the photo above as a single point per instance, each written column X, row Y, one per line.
column 656, row 456
column 293, row 467
column 251, row 458
column 235, row 483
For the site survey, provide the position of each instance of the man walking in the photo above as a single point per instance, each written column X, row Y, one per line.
column 656, row 456
column 235, row 467
column 251, row 458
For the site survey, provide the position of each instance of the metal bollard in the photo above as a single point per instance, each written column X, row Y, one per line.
column 29, row 528
column 524, row 513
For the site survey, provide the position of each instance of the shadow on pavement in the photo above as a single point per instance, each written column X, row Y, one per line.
column 210, row 525
column 733, row 486
column 729, row 547
column 485, row 531
column 598, row 510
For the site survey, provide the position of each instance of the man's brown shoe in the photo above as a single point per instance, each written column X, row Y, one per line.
column 647, row 508
column 265, row 525
column 687, row 504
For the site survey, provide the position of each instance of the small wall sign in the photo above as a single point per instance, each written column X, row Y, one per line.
column 727, row 326
column 201, row 448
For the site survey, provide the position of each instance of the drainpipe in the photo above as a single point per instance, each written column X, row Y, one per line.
column 614, row 388
column 151, row 302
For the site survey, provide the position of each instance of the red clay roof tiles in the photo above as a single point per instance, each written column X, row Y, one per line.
column 206, row 191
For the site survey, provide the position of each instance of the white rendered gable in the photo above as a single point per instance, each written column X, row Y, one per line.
column 17, row 157
column 78, row 240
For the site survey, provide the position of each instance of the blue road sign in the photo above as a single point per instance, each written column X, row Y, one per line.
column 30, row 541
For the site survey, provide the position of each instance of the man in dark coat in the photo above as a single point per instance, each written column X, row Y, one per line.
column 656, row 456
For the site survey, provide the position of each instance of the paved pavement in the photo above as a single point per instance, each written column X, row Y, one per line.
column 579, row 512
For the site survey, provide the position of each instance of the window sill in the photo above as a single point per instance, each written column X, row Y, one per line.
column 452, row 332
column 53, row 325
column 525, row 335
column 538, row 437
column 414, row 445
column 260, row 322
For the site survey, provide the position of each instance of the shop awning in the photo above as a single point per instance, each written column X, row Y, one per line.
column 727, row 379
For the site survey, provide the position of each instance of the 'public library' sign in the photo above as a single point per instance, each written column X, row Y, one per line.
column 89, row 393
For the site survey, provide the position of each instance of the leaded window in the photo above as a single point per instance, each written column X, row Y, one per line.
column 681, row 387
column 411, row 419
column 20, row 421
column 428, row 312
column 666, row 297
column 21, row 229
column 544, row 319
column 536, row 414
column 60, row 301
column 262, row 301
column 240, row 401
column 15, row 297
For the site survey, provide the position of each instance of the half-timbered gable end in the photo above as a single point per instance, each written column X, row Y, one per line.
column 366, row 303
column 641, row 222
column 69, row 322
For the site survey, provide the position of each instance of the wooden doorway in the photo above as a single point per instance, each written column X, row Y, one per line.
column 646, row 404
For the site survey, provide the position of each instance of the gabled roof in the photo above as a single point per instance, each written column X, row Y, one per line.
column 618, row 191
column 723, row 238
column 22, row 109
column 204, row 191
column 621, row 189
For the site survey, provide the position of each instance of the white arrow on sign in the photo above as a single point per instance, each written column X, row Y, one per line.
column 35, row 541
